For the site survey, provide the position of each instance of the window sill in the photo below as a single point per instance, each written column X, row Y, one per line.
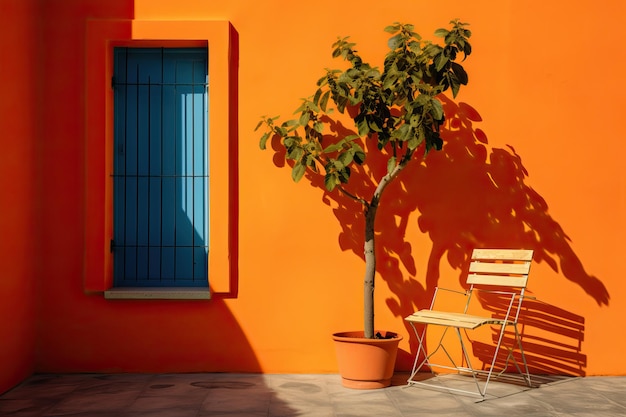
column 165, row 293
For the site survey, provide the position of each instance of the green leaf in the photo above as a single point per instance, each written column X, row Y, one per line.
column 434, row 142
column 316, row 97
column 358, row 154
column 441, row 32
column 347, row 157
column 310, row 162
column 422, row 99
column 304, row 118
column 312, row 106
column 415, row 47
column 318, row 127
column 390, row 79
column 289, row 142
column 301, row 108
column 455, row 85
column 403, row 132
column 395, row 41
column 295, row 153
column 391, row 164
column 421, row 136
column 450, row 38
column 264, row 139
column 460, row 73
column 359, row 157
column 258, row 125
column 324, row 100
column 330, row 181
column 298, row 171
column 440, row 61
column 437, row 109
column 334, row 147
column 415, row 120
column 363, row 127
column 282, row 132
column 375, row 124
column 290, row 123
column 392, row 28
column 341, row 102
column 312, row 147
column 344, row 175
column 467, row 49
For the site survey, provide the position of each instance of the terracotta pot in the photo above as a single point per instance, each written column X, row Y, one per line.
column 366, row 363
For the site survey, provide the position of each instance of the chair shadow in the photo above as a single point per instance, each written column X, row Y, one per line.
column 467, row 195
column 552, row 339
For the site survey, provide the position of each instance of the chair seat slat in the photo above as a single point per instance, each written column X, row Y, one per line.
column 444, row 318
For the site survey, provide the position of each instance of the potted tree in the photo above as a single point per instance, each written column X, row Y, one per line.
column 396, row 112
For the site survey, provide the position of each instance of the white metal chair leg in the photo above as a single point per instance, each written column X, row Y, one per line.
column 422, row 348
column 480, row 391
column 526, row 373
column 470, row 368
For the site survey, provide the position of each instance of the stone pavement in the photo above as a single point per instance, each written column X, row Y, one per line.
column 209, row 394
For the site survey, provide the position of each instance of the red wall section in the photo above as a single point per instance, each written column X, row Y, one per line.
column 533, row 158
column 18, row 182
column 81, row 330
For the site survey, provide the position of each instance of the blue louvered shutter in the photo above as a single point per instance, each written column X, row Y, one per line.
column 161, row 165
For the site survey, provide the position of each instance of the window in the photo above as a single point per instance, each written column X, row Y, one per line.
column 161, row 165
column 219, row 43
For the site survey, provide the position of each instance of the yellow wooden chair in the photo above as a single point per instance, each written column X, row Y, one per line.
column 500, row 273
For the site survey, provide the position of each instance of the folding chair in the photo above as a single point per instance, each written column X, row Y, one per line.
column 501, row 273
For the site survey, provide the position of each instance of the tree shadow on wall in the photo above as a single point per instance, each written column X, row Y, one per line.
column 467, row 195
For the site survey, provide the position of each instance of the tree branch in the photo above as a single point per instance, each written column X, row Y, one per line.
column 352, row 196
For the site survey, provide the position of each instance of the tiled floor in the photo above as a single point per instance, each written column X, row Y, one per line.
column 197, row 395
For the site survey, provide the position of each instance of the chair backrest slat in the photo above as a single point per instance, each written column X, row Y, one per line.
column 499, row 280
column 500, row 267
column 503, row 254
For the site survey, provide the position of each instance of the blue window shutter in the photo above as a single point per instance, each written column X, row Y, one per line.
column 161, row 167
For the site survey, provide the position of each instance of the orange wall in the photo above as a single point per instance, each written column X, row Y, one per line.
column 298, row 277
column 18, row 201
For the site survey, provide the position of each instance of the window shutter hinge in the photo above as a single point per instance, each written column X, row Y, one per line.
column 112, row 83
column 112, row 245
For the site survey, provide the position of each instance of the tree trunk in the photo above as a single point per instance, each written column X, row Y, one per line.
column 370, row 270
column 370, row 254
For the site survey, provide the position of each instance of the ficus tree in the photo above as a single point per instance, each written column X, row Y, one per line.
column 395, row 110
